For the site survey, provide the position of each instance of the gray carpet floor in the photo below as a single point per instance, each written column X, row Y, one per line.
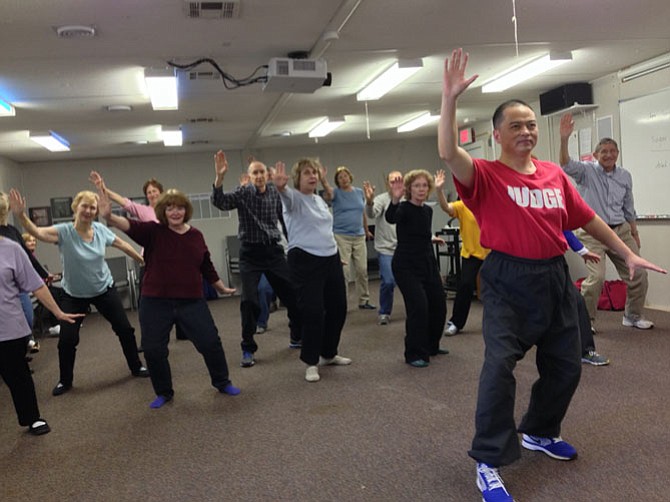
column 377, row 430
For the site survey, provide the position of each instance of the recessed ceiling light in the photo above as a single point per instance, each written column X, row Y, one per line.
column 75, row 31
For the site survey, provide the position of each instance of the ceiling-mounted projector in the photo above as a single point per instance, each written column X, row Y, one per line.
column 295, row 75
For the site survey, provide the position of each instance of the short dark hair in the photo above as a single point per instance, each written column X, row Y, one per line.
column 173, row 197
column 154, row 182
column 606, row 141
column 498, row 114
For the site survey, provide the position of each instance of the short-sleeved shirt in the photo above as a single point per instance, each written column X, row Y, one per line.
column 470, row 234
column 348, row 207
column 524, row 215
column 17, row 275
column 85, row 271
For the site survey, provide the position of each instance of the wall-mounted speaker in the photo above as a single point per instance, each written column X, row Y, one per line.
column 565, row 96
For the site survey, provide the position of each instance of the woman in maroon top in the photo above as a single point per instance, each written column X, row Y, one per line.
column 176, row 258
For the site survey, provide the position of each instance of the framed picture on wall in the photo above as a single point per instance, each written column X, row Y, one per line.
column 61, row 209
column 40, row 216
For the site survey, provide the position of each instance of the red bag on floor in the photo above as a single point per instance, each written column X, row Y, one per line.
column 612, row 296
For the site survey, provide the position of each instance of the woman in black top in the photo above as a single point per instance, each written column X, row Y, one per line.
column 415, row 267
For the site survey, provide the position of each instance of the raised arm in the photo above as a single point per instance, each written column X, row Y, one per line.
column 105, row 210
column 99, row 183
column 440, row 179
column 454, row 84
column 17, row 204
column 220, row 168
column 327, row 189
column 566, row 127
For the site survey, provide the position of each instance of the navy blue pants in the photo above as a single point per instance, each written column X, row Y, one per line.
column 157, row 316
column 526, row 303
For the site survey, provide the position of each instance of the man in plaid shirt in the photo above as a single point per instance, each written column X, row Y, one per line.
column 259, row 210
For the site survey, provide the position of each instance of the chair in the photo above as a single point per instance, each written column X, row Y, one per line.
column 232, row 256
column 118, row 266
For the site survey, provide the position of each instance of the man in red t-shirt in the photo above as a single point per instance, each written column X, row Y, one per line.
column 522, row 206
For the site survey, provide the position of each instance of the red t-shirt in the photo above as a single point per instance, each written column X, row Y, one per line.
column 524, row 215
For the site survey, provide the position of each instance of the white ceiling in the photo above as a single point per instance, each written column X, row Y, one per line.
column 66, row 84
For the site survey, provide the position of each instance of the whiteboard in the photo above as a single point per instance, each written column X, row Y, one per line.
column 645, row 151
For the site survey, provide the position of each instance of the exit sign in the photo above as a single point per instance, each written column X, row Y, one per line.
column 466, row 136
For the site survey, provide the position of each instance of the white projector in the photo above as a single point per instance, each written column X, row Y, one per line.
column 295, row 75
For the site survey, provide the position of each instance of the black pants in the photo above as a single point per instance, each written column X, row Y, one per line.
column 110, row 307
column 322, row 300
column 425, row 308
column 255, row 260
column 157, row 316
column 466, row 287
column 585, row 333
column 16, row 374
column 526, row 303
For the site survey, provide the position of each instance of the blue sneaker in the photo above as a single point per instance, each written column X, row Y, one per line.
column 491, row 484
column 247, row 360
column 554, row 447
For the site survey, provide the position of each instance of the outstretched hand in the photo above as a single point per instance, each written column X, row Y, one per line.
column 591, row 256
column 17, row 203
column 397, row 189
column 454, row 81
column 280, row 178
column 220, row 163
column 635, row 262
column 369, row 191
column 97, row 180
column 440, row 179
column 567, row 125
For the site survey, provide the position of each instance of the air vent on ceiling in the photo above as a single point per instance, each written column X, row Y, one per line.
column 212, row 10
column 204, row 75
column 200, row 120
column 75, row 31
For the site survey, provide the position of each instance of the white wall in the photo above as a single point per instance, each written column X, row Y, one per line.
column 10, row 174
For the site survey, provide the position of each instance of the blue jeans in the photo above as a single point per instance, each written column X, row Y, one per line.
column 387, row 284
column 27, row 306
column 265, row 294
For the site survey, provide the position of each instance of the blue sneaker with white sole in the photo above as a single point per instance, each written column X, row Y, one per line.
column 554, row 447
column 491, row 484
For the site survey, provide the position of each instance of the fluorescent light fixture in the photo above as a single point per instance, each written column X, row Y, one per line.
column 393, row 76
column 162, row 88
column 420, row 121
column 171, row 136
column 50, row 140
column 526, row 71
column 645, row 68
column 6, row 109
column 326, row 126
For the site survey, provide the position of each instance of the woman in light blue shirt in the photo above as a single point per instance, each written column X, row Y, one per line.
column 87, row 279
column 315, row 265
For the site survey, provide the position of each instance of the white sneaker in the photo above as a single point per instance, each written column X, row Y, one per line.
column 637, row 321
column 312, row 374
column 384, row 319
column 334, row 361
column 54, row 330
column 451, row 329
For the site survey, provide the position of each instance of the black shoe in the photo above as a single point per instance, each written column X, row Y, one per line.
column 60, row 389
column 367, row 306
column 142, row 372
column 442, row 351
column 39, row 427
